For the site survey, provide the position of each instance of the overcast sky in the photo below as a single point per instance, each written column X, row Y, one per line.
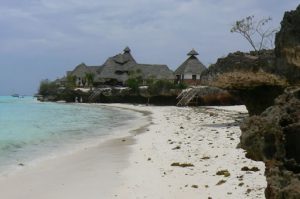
column 44, row 38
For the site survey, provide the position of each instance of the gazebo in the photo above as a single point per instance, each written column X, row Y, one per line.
column 190, row 70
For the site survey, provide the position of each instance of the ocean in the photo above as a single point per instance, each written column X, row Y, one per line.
column 30, row 130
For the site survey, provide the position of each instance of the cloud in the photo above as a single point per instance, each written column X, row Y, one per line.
column 60, row 34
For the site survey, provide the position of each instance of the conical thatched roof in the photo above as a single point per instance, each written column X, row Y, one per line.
column 80, row 70
column 118, row 67
column 191, row 65
column 193, row 52
column 127, row 50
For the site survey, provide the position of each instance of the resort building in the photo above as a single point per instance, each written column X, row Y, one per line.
column 83, row 74
column 119, row 68
column 190, row 70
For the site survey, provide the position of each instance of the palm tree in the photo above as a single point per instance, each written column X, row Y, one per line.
column 90, row 79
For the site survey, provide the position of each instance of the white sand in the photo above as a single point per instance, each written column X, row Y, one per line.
column 207, row 139
column 141, row 167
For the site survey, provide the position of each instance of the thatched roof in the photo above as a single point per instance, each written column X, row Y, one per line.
column 193, row 52
column 120, row 59
column 153, row 71
column 119, row 66
column 127, row 50
column 81, row 70
column 191, row 65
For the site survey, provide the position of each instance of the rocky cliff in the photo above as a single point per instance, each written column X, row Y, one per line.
column 240, row 62
column 257, row 90
column 248, row 76
column 274, row 137
column 288, row 47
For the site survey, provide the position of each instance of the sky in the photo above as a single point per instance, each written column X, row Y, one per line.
column 42, row 39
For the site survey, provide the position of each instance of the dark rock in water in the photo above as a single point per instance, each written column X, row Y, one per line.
column 288, row 46
column 274, row 137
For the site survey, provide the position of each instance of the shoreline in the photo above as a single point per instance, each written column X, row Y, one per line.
column 47, row 177
column 138, row 165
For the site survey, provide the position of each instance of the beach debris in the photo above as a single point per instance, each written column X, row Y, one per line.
column 240, row 178
column 212, row 114
column 248, row 191
column 123, row 140
column 177, row 164
column 195, row 186
column 241, row 184
column 254, row 169
column 225, row 173
column 221, row 182
column 205, row 158
column 177, row 147
column 149, row 159
column 21, row 164
column 181, row 127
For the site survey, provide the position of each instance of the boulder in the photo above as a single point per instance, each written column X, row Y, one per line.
column 274, row 137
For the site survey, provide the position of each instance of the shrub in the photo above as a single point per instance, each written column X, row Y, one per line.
column 48, row 88
column 133, row 83
column 160, row 86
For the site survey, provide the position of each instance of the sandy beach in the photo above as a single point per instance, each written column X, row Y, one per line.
column 180, row 153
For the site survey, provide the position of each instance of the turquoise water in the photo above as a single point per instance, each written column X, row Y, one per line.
column 31, row 129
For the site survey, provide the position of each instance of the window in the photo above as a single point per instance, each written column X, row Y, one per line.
column 194, row 77
column 178, row 77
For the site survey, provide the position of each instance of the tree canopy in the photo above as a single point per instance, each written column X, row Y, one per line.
column 258, row 33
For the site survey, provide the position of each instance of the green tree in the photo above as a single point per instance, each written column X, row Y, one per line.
column 134, row 84
column 257, row 33
column 134, row 80
column 160, row 86
column 48, row 88
column 71, row 81
column 90, row 77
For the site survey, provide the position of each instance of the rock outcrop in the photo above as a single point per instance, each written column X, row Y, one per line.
column 274, row 137
column 249, row 77
column 257, row 90
column 240, row 62
column 257, row 78
column 288, row 47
